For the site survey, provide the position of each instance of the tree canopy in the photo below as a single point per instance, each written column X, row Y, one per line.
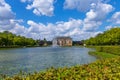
column 109, row 37
column 9, row 39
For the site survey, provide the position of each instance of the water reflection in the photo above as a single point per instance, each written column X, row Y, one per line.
column 34, row 59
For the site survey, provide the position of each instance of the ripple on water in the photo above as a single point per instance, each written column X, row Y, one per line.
column 40, row 58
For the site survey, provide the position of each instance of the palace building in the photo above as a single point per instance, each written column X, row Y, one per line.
column 62, row 41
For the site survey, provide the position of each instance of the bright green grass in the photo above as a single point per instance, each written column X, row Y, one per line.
column 107, row 49
column 102, row 55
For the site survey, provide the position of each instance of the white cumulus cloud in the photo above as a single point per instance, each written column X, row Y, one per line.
column 99, row 12
column 7, row 19
column 81, row 5
column 108, row 27
column 96, row 12
column 5, row 11
column 58, row 29
column 41, row 7
column 6, row 15
column 96, row 15
column 115, row 18
column 26, row 1
column 72, row 28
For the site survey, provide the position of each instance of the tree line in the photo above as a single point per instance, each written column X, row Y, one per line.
column 109, row 37
column 8, row 39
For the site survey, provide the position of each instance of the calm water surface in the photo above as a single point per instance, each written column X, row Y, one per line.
column 40, row 58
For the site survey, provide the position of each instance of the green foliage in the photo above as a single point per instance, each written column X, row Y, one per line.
column 8, row 39
column 109, row 37
column 78, row 43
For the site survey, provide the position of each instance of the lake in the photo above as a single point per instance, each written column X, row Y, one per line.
column 41, row 58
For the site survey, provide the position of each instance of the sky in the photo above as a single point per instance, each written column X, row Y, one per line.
column 79, row 19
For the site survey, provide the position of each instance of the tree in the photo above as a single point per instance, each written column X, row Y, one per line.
column 9, row 39
column 109, row 37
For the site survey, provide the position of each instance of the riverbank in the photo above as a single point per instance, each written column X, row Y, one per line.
column 106, row 68
column 12, row 47
column 102, row 55
column 108, row 49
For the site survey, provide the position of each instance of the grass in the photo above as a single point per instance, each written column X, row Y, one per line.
column 102, row 55
column 108, row 49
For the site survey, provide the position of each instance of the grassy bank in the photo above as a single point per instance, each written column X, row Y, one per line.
column 102, row 55
column 107, row 49
column 107, row 68
column 103, row 52
column 13, row 47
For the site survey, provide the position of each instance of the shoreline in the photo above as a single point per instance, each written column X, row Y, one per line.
column 106, row 64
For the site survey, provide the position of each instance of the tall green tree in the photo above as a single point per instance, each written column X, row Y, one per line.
column 9, row 39
column 109, row 37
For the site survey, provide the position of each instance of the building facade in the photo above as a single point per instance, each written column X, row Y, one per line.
column 62, row 41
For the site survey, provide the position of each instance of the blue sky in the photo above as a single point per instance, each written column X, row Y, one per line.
column 79, row 19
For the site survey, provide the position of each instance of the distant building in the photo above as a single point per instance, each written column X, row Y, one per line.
column 62, row 41
column 42, row 42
